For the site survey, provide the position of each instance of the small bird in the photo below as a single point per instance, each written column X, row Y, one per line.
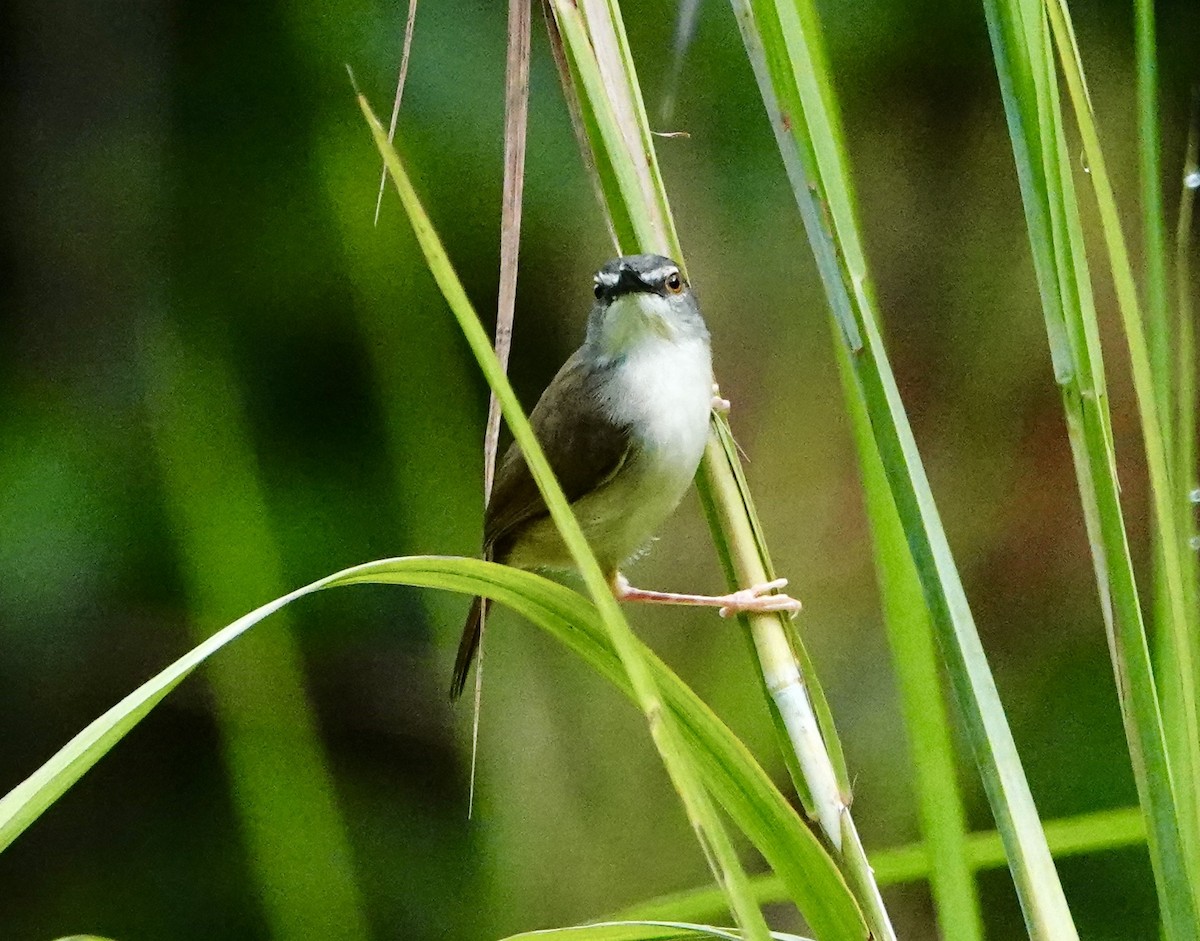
column 623, row 425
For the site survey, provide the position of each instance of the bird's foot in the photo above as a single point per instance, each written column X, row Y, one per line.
column 719, row 405
column 755, row 600
column 759, row 599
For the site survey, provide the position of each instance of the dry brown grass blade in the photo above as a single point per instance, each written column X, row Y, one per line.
column 400, row 79
column 516, row 120
column 516, row 115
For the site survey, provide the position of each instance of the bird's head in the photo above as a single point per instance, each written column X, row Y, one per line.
column 641, row 298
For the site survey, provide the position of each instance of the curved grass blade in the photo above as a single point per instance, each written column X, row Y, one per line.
column 745, row 791
column 640, row 931
column 83, row 937
column 298, row 848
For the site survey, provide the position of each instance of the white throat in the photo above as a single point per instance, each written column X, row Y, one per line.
column 633, row 319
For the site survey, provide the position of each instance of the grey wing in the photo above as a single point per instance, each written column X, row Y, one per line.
column 582, row 444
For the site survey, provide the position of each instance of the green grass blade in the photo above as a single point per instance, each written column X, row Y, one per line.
column 298, row 848
column 1174, row 809
column 744, row 531
column 619, row 137
column 1184, row 416
column 752, row 801
column 1154, row 226
column 784, row 44
column 627, row 185
column 640, row 931
column 83, row 937
column 606, row 35
column 914, row 656
column 1097, row 832
column 29, row 799
column 1029, row 83
column 1158, row 332
column 1166, row 497
column 781, row 652
column 701, row 813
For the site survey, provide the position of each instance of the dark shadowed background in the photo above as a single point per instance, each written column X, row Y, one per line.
column 218, row 381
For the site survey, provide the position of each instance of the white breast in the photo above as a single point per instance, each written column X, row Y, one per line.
column 663, row 389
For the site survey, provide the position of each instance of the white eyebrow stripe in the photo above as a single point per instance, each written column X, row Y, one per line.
column 609, row 279
column 660, row 274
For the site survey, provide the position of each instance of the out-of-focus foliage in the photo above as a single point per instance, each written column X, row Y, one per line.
column 207, row 165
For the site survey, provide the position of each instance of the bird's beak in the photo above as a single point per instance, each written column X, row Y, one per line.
column 628, row 281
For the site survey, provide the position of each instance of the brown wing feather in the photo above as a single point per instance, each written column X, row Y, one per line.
column 581, row 443
column 584, row 449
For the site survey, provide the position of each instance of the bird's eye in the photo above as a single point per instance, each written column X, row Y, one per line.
column 598, row 290
column 674, row 283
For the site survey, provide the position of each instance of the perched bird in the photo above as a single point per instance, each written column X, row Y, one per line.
column 623, row 425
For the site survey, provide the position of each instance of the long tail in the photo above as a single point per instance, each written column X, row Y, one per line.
column 472, row 631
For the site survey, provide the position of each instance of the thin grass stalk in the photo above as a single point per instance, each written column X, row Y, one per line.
column 629, row 152
column 1085, row 834
column 1154, row 226
column 687, row 15
column 405, row 52
column 710, row 831
column 1058, row 247
column 298, row 848
column 779, row 667
column 1185, row 405
column 1028, row 79
column 1158, row 335
column 1185, row 455
column 798, row 713
column 784, row 44
column 637, row 205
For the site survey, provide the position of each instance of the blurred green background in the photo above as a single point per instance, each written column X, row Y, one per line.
column 218, row 381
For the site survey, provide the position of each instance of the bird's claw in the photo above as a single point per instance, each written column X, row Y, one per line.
column 756, row 600
column 719, row 405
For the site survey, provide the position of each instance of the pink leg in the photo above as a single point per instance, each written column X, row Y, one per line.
column 750, row 600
